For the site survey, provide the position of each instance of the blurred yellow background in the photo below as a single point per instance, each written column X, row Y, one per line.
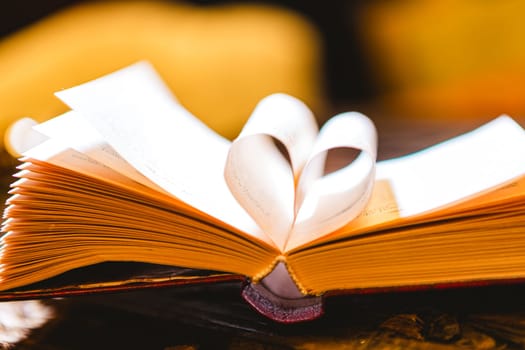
column 219, row 61
column 447, row 59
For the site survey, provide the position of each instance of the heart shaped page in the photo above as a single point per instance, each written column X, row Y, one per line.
column 275, row 169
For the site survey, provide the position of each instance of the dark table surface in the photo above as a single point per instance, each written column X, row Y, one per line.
column 215, row 317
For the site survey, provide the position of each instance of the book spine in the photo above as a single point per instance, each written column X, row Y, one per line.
column 281, row 309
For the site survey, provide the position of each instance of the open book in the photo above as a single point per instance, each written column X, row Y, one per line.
column 129, row 175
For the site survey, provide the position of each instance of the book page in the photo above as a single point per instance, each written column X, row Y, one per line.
column 327, row 202
column 57, row 153
column 71, row 129
column 288, row 194
column 137, row 116
column 457, row 169
column 451, row 174
column 260, row 175
column 21, row 136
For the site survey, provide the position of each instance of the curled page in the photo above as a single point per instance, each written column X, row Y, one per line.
column 287, row 193
column 326, row 203
column 21, row 136
column 136, row 115
column 260, row 175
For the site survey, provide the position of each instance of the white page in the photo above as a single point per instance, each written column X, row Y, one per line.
column 332, row 201
column 74, row 131
column 20, row 136
column 288, row 120
column 458, row 168
column 58, row 153
column 135, row 113
column 265, row 183
column 259, row 176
